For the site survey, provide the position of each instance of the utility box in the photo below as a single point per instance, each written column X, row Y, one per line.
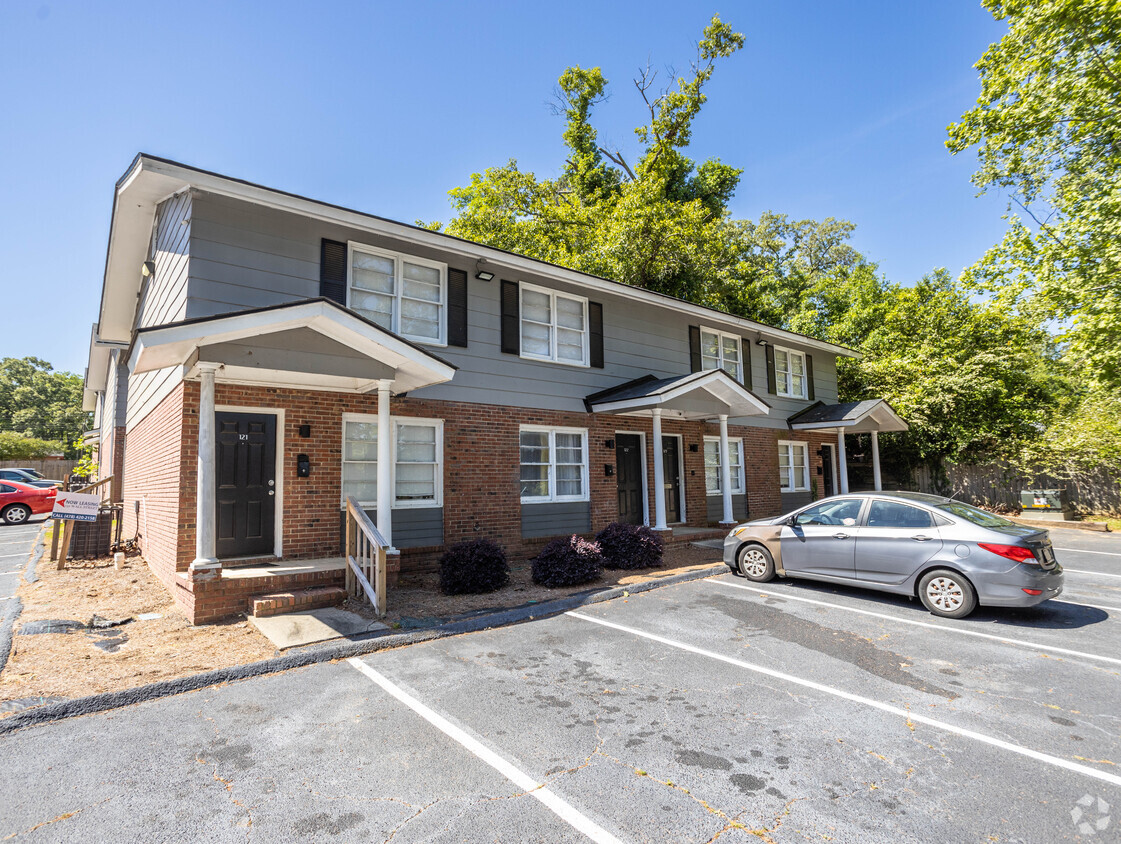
column 1050, row 504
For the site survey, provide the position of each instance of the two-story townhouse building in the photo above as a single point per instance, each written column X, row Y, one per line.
column 259, row 357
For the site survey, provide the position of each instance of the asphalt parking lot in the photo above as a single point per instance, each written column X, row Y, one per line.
column 716, row 709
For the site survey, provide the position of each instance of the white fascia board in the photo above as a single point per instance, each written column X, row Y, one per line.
column 706, row 383
column 278, row 200
column 174, row 345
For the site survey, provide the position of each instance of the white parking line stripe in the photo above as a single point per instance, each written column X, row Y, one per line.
column 942, row 627
column 16, row 571
column 557, row 804
column 9, row 556
column 1084, row 604
column 1083, row 551
column 1084, row 571
column 1057, row 761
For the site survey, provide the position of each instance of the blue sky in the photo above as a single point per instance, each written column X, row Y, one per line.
column 832, row 109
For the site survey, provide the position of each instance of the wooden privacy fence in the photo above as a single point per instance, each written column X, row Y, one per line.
column 56, row 470
column 999, row 485
column 365, row 558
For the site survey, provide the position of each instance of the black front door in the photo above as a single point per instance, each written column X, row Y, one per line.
column 628, row 469
column 827, row 470
column 671, row 467
column 246, row 454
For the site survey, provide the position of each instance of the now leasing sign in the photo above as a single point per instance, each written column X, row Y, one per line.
column 76, row 506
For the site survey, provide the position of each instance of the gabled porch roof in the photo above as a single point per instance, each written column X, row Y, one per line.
column 314, row 344
column 854, row 417
column 699, row 395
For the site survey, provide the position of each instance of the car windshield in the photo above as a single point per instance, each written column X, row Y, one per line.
column 974, row 514
column 33, row 473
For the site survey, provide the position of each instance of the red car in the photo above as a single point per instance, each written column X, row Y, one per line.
column 19, row 502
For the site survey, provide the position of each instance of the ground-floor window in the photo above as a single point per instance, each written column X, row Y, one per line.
column 793, row 467
column 417, row 470
column 712, row 465
column 554, row 465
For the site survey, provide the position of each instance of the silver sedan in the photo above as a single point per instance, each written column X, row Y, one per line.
column 949, row 554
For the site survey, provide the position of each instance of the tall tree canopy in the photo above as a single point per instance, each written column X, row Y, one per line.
column 36, row 401
column 974, row 379
column 1047, row 127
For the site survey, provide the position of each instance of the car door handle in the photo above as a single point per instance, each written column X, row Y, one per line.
column 921, row 538
column 840, row 536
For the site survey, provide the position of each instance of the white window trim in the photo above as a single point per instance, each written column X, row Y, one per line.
column 784, row 387
column 398, row 258
column 553, row 294
column 395, row 421
column 806, row 449
column 742, row 486
column 552, row 432
column 705, row 329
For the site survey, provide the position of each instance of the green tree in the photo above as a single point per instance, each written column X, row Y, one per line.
column 1047, row 128
column 36, row 401
column 19, row 447
column 660, row 224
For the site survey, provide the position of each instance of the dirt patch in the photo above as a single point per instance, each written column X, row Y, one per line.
column 88, row 661
column 417, row 601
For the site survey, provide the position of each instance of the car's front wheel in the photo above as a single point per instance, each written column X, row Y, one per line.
column 17, row 514
column 756, row 563
column 947, row 593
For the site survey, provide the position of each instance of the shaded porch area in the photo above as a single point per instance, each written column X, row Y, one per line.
column 872, row 417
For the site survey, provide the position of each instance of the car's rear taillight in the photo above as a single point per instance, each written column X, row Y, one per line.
column 1013, row 552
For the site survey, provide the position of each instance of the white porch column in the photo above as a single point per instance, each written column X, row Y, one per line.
column 842, row 461
column 206, row 496
column 659, row 474
column 877, row 483
column 385, row 464
column 726, row 471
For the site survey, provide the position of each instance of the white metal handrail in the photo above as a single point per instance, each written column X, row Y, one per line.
column 365, row 557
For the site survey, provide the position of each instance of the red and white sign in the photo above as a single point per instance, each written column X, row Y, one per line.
column 76, row 506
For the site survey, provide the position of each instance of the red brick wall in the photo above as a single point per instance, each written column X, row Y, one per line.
column 481, row 457
column 153, row 475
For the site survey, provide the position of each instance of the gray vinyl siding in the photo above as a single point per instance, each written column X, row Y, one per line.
column 412, row 527
column 164, row 300
column 165, row 297
column 246, row 256
column 716, row 507
column 556, row 518
column 794, row 500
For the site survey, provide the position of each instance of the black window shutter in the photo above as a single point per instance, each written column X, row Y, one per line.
column 511, row 329
column 810, row 377
column 457, row 308
column 745, row 344
column 595, row 334
column 694, row 348
column 332, row 270
column 771, row 369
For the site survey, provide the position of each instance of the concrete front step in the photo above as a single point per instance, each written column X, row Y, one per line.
column 296, row 600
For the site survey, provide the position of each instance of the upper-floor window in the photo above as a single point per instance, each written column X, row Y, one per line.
column 721, row 351
column 554, row 326
column 404, row 294
column 554, row 465
column 417, row 472
column 790, row 373
column 713, row 476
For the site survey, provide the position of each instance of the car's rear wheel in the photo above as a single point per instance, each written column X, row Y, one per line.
column 756, row 563
column 947, row 593
column 16, row 514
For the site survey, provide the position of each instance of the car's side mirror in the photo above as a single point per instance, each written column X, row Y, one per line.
column 792, row 521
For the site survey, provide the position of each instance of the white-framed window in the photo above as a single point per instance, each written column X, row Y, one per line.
column 712, row 465
column 404, row 294
column 721, row 351
column 417, row 471
column 554, row 464
column 554, row 326
column 790, row 373
column 793, row 467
